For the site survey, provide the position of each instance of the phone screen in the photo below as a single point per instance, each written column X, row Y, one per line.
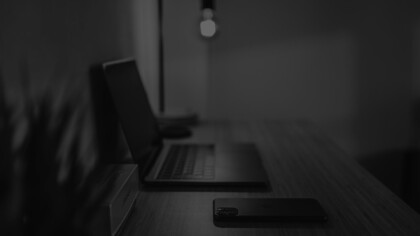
column 268, row 210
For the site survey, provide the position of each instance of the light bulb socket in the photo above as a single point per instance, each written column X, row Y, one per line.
column 207, row 4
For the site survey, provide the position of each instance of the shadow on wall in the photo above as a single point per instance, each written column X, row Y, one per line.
column 57, row 42
column 384, row 76
column 386, row 129
column 51, row 46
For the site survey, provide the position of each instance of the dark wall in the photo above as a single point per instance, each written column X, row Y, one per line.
column 346, row 65
column 48, row 48
column 48, row 54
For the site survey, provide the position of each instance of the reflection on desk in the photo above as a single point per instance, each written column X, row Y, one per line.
column 300, row 162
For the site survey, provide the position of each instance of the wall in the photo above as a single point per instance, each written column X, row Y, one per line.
column 348, row 66
column 146, row 43
column 48, row 48
column 345, row 66
column 186, row 57
column 414, row 160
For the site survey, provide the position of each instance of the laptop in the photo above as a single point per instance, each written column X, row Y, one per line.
column 163, row 164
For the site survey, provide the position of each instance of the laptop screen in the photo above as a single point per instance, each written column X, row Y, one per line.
column 135, row 114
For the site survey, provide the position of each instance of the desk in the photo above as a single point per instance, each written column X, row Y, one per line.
column 300, row 162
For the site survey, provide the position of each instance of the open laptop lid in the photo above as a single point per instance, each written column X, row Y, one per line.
column 135, row 114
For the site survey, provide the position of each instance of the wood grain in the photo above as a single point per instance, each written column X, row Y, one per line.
column 300, row 162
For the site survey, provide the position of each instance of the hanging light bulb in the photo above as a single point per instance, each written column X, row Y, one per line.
column 208, row 25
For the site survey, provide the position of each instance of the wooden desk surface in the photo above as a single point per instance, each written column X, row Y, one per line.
column 300, row 162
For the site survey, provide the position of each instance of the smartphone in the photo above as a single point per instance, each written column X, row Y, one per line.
column 268, row 210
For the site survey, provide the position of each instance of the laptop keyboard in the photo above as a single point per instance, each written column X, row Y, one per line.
column 189, row 162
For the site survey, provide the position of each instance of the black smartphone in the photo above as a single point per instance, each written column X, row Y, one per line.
column 268, row 210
